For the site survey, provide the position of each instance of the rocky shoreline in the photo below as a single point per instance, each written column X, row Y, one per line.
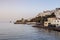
column 50, row 28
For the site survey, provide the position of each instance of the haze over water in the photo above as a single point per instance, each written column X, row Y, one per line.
column 17, row 9
column 12, row 10
column 10, row 31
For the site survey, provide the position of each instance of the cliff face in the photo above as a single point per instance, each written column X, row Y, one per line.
column 49, row 12
column 41, row 17
column 44, row 13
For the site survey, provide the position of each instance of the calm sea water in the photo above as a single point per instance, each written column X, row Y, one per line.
column 10, row 31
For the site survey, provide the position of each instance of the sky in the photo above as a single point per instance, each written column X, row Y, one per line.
column 17, row 9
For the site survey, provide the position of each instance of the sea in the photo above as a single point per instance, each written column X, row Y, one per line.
column 11, row 31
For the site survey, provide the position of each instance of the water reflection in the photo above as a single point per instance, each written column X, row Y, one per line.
column 48, row 34
column 26, row 32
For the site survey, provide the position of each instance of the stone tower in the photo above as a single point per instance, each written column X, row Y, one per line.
column 57, row 12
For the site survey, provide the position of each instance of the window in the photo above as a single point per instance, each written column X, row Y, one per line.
column 57, row 21
column 45, row 23
column 57, row 24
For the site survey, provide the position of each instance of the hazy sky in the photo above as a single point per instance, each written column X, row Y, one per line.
column 16, row 9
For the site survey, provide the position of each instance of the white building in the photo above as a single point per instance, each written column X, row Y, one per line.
column 52, row 21
column 56, row 22
column 49, row 20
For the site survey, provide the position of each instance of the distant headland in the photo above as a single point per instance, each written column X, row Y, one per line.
column 45, row 19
